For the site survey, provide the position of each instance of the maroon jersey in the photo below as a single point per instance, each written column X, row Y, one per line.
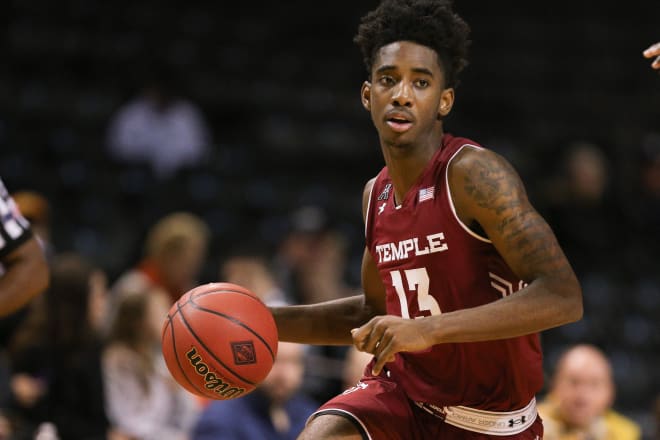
column 431, row 263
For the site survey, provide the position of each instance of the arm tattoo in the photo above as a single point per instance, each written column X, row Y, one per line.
column 492, row 184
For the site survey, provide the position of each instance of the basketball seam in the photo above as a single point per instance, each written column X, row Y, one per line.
column 215, row 291
column 178, row 303
column 226, row 290
column 235, row 321
column 176, row 356
column 192, row 332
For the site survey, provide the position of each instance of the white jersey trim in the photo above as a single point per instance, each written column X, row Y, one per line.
column 343, row 411
column 451, row 202
column 366, row 216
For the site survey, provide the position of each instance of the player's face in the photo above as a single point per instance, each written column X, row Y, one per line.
column 406, row 95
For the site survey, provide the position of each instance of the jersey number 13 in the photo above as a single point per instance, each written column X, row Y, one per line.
column 418, row 284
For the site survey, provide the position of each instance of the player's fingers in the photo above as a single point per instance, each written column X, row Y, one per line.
column 359, row 334
column 362, row 335
column 652, row 51
column 377, row 367
column 386, row 354
column 384, row 343
column 373, row 340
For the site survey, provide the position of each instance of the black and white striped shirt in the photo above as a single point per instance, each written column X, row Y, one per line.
column 14, row 228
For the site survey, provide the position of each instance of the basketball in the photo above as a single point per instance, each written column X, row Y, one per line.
column 219, row 341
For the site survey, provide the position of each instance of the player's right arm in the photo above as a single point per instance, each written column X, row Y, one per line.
column 331, row 322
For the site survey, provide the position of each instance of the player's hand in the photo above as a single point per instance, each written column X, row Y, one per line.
column 653, row 51
column 385, row 336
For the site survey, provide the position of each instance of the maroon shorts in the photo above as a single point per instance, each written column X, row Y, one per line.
column 381, row 411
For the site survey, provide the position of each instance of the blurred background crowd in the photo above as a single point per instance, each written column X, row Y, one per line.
column 157, row 146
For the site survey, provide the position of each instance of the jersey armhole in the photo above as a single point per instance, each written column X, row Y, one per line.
column 451, row 201
column 366, row 215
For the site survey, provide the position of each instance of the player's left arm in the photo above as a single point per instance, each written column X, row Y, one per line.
column 486, row 190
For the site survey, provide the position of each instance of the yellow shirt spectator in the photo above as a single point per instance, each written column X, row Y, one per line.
column 578, row 406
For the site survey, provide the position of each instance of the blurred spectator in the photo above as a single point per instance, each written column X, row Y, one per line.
column 276, row 410
column 251, row 271
column 354, row 365
column 578, row 406
column 5, row 427
column 321, row 277
column 159, row 128
column 174, row 253
column 142, row 399
column 656, row 417
column 583, row 211
column 297, row 247
column 56, row 378
column 643, row 208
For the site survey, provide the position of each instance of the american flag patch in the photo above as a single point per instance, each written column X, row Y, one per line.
column 426, row 194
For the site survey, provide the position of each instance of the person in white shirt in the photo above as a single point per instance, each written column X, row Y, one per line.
column 142, row 399
column 160, row 129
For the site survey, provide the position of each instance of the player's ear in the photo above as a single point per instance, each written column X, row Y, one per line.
column 446, row 102
column 365, row 95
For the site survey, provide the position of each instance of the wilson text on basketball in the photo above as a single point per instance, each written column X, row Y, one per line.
column 212, row 380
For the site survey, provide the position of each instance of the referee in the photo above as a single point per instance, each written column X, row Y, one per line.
column 23, row 267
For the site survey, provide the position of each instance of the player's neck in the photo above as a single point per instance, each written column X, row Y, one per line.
column 406, row 163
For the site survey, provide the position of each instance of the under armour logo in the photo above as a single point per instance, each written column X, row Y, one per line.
column 381, row 208
column 359, row 386
column 520, row 421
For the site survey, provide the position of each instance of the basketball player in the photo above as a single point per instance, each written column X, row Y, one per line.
column 23, row 267
column 653, row 51
column 459, row 271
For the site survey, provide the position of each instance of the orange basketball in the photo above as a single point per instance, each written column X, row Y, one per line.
column 219, row 341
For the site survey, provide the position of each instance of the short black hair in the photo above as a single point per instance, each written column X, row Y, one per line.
column 431, row 23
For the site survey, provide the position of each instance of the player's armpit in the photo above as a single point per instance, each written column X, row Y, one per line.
column 487, row 190
column 366, row 193
column 372, row 285
column 374, row 290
